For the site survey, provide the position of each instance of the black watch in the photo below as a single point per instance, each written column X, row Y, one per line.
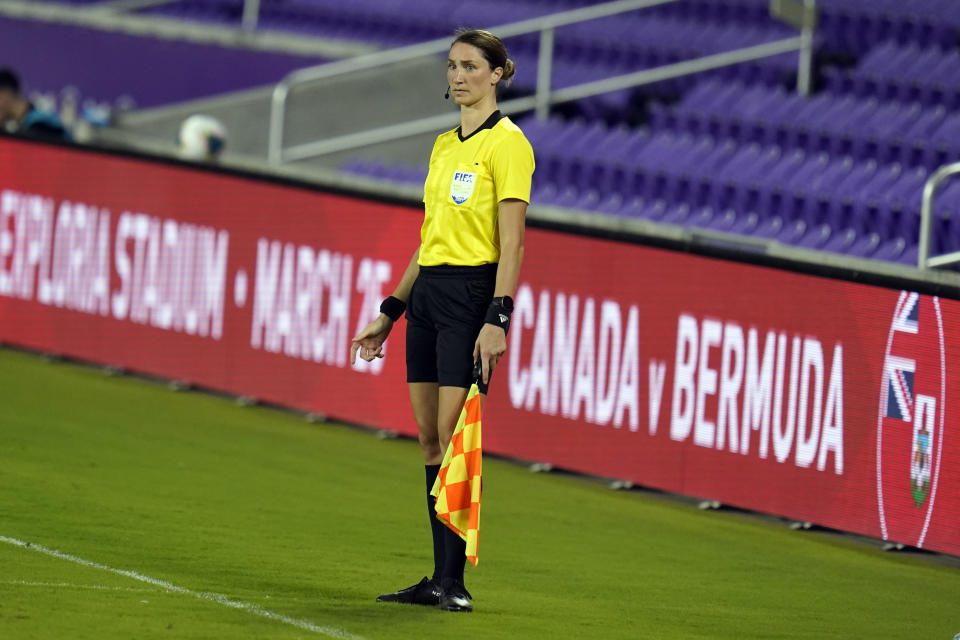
column 505, row 303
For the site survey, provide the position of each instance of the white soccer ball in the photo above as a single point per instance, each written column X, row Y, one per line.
column 202, row 137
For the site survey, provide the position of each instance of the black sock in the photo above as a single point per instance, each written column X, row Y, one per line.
column 436, row 527
column 455, row 550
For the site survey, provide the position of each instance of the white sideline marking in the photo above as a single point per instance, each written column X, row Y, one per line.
column 70, row 585
column 202, row 595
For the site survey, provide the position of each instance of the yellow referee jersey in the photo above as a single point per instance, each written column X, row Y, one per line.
column 468, row 178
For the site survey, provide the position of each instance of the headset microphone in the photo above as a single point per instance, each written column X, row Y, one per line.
column 446, row 96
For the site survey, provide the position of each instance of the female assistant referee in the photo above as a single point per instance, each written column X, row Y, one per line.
column 457, row 288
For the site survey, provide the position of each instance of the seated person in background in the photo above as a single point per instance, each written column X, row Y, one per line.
column 202, row 137
column 18, row 115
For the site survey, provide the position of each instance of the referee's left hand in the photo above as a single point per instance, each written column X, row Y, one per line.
column 490, row 346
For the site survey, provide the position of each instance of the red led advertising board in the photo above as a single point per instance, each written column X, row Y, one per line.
column 812, row 398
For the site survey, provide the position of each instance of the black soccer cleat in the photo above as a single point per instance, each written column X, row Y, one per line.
column 426, row 592
column 455, row 597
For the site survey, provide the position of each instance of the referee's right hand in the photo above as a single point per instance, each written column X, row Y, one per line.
column 369, row 342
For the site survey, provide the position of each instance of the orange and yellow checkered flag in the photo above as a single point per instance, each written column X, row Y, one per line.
column 457, row 488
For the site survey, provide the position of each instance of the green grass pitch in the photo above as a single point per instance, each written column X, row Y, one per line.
column 310, row 522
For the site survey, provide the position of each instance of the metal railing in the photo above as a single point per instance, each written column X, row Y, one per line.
column 544, row 97
column 251, row 14
column 924, row 260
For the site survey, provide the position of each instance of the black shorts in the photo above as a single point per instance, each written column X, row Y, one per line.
column 445, row 313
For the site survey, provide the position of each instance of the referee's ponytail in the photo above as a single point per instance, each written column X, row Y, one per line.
column 492, row 48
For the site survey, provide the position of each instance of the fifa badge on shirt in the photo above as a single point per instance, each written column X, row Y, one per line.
column 461, row 187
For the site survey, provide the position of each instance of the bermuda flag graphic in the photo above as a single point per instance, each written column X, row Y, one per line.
column 907, row 317
column 910, row 426
column 900, row 373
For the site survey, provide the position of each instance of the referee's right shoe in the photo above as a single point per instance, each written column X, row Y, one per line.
column 426, row 592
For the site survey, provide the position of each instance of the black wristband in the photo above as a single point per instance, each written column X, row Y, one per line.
column 498, row 317
column 393, row 307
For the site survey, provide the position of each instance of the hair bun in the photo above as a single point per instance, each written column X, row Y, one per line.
column 508, row 70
